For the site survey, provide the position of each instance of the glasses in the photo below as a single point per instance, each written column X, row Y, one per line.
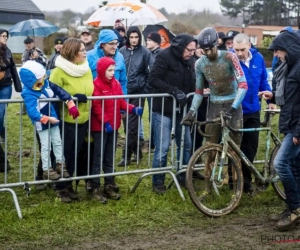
column 238, row 50
column 4, row 36
column 82, row 50
column 113, row 44
column 190, row 50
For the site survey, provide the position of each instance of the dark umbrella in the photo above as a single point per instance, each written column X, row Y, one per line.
column 155, row 28
column 33, row 27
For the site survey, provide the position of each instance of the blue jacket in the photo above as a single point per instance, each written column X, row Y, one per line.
column 257, row 80
column 95, row 54
column 36, row 108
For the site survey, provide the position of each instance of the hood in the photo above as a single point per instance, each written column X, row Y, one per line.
column 3, row 30
column 288, row 42
column 102, row 65
column 30, row 72
column 105, row 36
column 134, row 29
column 179, row 43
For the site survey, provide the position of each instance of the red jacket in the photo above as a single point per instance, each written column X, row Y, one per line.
column 112, row 107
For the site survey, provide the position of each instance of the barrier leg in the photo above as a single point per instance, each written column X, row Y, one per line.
column 160, row 172
column 15, row 200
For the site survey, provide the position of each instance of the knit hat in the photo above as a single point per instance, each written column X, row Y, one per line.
column 30, row 72
column 107, row 36
column 155, row 37
column 118, row 23
column 28, row 40
column 58, row 40
column 102, row 65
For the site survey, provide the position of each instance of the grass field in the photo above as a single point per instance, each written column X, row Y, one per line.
column 137, row 217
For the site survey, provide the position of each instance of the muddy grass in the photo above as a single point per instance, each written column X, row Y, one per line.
column 240, row 233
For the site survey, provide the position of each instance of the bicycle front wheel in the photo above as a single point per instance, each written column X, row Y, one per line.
column 278, row 187
column 219, row 191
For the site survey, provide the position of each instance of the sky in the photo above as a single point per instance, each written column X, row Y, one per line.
column 169, row 5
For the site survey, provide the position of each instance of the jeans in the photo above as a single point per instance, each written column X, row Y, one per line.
column 69, row 147
column 55, row 139
column 249, row 143
column 287, row 165
column 5, row 93
column 104, row 148
column 162, row 126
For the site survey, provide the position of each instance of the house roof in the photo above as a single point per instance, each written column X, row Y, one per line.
column 17, row 6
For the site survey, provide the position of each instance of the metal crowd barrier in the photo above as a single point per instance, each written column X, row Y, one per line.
column 24, row 176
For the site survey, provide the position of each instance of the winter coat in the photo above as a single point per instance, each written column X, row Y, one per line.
column 74, row 85
column 8, row 65
column 290, row 111
column 138, row 61
column 111, row 109
column 51, row 62
column 95, row 54
column 257, row 80
column 35, row 106
column 170, row 71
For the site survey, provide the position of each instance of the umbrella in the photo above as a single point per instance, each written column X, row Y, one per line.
column 160, row 29
column 33, row 27
column 135, row 13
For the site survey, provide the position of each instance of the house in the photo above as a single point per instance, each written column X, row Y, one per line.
column 14, row 11
column 256, row 33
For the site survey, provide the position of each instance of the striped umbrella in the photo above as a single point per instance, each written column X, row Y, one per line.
column 134, row 13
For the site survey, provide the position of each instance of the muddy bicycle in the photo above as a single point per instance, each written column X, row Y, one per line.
column 220, row 190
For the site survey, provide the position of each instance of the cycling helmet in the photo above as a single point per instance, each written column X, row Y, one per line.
column 208, row 38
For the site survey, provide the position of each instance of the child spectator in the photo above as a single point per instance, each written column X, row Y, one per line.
column 105, row 122
column 37, row 87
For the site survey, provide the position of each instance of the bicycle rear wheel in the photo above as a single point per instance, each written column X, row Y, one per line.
column 278, row 187
column 220, row 190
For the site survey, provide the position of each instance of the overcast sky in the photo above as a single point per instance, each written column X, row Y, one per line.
column 170, row 5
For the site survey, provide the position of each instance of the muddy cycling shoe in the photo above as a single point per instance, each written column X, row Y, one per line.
column 289, row 222
column 248, row 189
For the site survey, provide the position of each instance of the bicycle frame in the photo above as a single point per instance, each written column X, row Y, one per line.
column 227, row 141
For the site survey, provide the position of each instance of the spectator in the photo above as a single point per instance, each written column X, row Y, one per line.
column 36, row 87
column 29, row 45
column 106, row 120
column 107, row 46
column 8, row 74
column 72, row 73
column 228, row 39
column 165, row 41
column 87, row 39
column 123, row 38
column 172, row 73
column 58, row 43
column 254, row 67
column 286, row 46
column 153, row 43
column 35, row 56
column 138, row 61
column 221, row 44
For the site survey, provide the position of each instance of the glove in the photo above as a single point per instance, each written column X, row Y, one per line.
column 229, row 114
column 73, row 111
column 137, row 111
column 188, row 119
column 108, row 128
column 81, row 97
column 180, row 96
